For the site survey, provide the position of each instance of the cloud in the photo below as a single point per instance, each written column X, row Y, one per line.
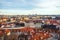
column 27, row 12
column 42, row 7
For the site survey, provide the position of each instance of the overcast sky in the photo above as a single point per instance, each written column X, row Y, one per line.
column 25, row 7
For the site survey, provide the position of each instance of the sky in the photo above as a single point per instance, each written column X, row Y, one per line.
column 26, row 7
